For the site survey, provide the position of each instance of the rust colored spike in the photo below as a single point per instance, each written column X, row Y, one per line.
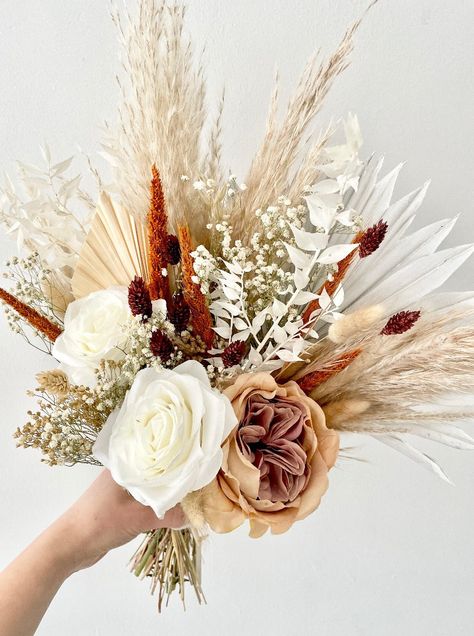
column 33, row 317
column 157, row 240
column 312, row 380
column 200, row 315
column 332, row 285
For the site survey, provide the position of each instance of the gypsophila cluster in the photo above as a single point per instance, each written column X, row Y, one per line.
column 64, row 429
column 36, row 285
column 137, row 351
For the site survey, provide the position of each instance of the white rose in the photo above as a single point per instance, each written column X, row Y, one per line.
column 93, row 331
column 165, row 440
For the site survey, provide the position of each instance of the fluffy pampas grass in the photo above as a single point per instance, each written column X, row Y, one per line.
column 162, row 114
column 273, row 171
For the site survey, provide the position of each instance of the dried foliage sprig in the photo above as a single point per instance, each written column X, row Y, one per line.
column 332, row 285
column 48, row 214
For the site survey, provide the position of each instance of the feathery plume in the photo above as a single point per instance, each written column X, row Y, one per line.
column 417, row 367
column 36, row 320
column 193, row 508
column 343, row 410
column 162, row 111
column 271, row 168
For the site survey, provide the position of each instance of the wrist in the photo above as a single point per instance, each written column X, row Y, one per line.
column 67, row 545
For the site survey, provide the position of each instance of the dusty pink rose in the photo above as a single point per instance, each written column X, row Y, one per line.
column 276, row 460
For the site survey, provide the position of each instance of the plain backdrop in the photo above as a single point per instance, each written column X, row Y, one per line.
column 390, row 551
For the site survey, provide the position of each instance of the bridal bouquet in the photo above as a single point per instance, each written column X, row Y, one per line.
column 216, row 338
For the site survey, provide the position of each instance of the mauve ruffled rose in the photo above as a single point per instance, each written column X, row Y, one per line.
column 276, row 460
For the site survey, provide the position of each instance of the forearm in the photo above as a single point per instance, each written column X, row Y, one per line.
column 28, row 584
column 104, row 518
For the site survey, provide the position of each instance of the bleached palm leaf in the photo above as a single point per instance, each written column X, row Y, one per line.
column 377, row 267
column 448, row 301
column 403, row 447
column 407, row 285
column 115, row 250
column 404, row 269
column 443, row 433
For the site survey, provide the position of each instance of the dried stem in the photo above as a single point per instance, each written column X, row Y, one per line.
column 171, row 558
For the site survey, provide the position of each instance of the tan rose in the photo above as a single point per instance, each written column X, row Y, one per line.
column 275, row 461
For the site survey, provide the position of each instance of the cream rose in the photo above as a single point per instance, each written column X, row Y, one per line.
column 165, row 440
column 93, row 331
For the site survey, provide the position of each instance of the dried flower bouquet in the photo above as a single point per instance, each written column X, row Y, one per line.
column 215, row 338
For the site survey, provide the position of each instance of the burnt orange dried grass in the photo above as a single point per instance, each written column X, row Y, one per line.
column 39, row 322
column 332, row 285
column 200, row 314
column 157, row 239
column 315, row 378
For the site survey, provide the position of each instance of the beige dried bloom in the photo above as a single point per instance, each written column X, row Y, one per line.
column 193, row 507
column 54, row 382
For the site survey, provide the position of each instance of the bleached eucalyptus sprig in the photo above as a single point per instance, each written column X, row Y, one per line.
column 48, row 214
column 259, row 298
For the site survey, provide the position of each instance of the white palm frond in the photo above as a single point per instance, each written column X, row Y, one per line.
column 406, row 268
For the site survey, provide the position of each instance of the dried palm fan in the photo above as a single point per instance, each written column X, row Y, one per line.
column 114, row 252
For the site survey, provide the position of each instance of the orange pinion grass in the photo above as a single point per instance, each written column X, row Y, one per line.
column 157, row 240
column 36, row 320
column 200, row 315
column 311, row 380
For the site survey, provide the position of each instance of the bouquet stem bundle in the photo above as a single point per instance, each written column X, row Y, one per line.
column 171, row 558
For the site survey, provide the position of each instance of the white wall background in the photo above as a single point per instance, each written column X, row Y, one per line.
column 390, row 551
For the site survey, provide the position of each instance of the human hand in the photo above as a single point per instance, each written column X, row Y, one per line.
column 103, row 518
